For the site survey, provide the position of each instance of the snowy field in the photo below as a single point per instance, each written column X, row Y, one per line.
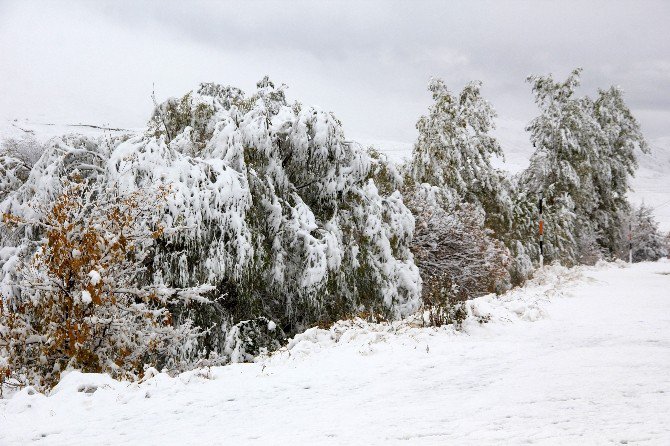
column 577, row 357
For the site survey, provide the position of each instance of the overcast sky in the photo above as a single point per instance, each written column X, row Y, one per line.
column 369, row 62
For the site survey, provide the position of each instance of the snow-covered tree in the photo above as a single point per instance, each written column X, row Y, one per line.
column 81, row 303
column 585, row 154
column 312, row 238
column 454, row 151
column 614, row 164
column 565, row 137
column 268, row 202
column 647, row 241
column 455, row 193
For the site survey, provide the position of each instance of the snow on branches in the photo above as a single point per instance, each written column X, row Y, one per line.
column 458, row 257
column 81, row 303
column 268, row 202
column 458, row 199
column 585, row 155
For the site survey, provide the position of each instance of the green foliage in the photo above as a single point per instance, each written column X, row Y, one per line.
column 173, row 116
column 585, row 155
column 459, row 200
column 323, row 230
column 250, row 338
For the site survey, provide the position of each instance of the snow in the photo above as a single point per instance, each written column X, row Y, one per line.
column 95, row 277
column 86, row 297
column 43, row 131
column 577, row 356
column 650, row 184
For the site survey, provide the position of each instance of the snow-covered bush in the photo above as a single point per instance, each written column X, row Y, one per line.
column 25, row 148
column 458, row 257
column 17, row 157
column 268, row 202
column 13, row 173
column 248, row 339
column 173, row 116
column 647, row 241
column 80, row 303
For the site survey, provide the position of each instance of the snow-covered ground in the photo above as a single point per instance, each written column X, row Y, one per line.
column 577, row 356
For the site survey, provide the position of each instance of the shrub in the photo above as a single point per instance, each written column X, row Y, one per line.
column 248, row 339
column 269, row 203
column 80, row 303
column 458, row 258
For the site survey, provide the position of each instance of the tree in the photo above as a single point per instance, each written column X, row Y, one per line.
column 289, row 223
column 614, row 164
column 585, row 154
column 458, row 200
column 80, row 303
column 564, row 136
column 647, row 241
column 454, row 151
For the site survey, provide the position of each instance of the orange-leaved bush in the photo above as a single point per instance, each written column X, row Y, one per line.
column 87, row 299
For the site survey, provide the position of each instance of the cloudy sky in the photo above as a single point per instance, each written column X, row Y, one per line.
column 367, row 61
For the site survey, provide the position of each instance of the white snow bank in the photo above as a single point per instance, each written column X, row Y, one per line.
column 524, row 303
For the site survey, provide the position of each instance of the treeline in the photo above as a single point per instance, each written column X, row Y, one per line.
column 237, row 220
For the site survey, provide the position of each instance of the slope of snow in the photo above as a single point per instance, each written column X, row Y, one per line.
column 42, row 131
column 577, row 356
column 652, row 181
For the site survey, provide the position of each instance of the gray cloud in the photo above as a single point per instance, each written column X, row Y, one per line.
column 367, row 61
